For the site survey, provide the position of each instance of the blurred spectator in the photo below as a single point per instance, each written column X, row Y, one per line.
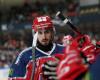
column 10, row 43
column 3, row 63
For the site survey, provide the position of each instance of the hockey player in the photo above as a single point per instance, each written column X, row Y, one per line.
column 47, row 55
column 82, row 59
column 45, row 50
column 67, row 40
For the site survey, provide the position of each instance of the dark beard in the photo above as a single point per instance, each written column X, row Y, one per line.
column 45, row 48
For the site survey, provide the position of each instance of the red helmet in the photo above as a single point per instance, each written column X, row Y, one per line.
column 42, row 22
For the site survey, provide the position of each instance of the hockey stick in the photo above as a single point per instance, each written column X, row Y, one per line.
column 66, row 21
column 73, row 27
column 33, row 53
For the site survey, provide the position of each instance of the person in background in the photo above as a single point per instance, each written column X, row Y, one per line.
column 67, row 40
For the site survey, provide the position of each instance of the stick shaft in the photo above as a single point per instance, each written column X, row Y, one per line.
column 33, row 54
column 66, row 21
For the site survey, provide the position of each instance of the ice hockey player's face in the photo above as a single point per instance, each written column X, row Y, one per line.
column 44, row 36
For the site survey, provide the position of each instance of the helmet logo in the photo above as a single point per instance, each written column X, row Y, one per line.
column 40, row 19
column 42, row 22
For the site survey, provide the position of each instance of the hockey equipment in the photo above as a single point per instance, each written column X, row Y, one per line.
column 46, row 67
column 66, row 21
column 42, row 22
column 72, row 66
column 49, row 70
column 81, row 41
column 33, row 53
column 87, row 49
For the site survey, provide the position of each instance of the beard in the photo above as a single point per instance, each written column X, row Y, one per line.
column 46, row 46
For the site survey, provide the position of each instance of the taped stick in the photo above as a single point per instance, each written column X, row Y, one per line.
column 33, row 53
column 66, row 21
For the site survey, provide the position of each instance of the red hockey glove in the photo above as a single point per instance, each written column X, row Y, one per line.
column 39, row 67
column 84, row 45
column 89, row 51
column 46, row 67
column 49, row 67
column 80, row 41
column 71, row 67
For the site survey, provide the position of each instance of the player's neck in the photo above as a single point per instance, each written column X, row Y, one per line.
column 45, row 48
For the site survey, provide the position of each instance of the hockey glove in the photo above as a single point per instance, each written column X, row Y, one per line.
column 49, row 70
column 71, row 67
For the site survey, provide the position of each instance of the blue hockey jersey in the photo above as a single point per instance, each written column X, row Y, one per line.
column 21, row 69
